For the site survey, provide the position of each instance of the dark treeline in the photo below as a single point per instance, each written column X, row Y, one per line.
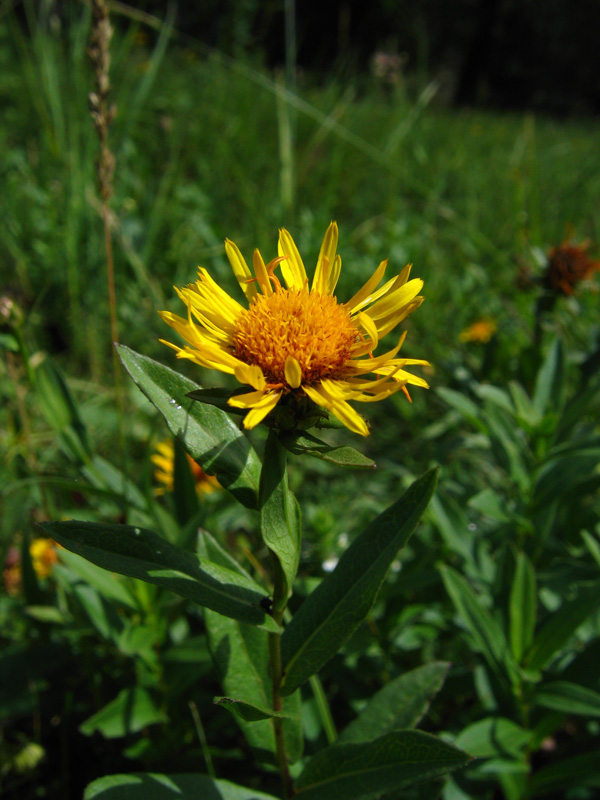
column 511, row 54
column 540, row 54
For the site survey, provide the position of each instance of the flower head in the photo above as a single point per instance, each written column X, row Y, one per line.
column 480, row 331
column 298, row 341
column 43, row 556
column 568, row 265
column 164, row 461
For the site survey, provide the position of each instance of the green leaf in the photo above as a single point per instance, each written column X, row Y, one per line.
column 487, row 633
column 209, row 548
column 185, row 496
column 60, row 410
column 102, row 615
column 110, row 586
column 489, row 503
column 142, row 554
column 510, row 448
column 561, row 475
column 329, row 615
column 49, row 614
column 561, row 626
column 453, row 524
column 579, row 770
column 368, row 770
column 241, row 654
column 526, row 412
column 577, row 408
column 341, row 456
column 592, row 544
column 550, row 381
column 104, row 475
column 130, row 712
column 523, row 603
column 279, row 513
column 461, row 403
column 400, row 704
column 206, row 432
column 568, row 697
column 168, row 787
column 249, row 711
column 494, row 395
column 494, row 736
column 218, row 398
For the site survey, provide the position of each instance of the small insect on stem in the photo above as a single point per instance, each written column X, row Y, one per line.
column 267, row 604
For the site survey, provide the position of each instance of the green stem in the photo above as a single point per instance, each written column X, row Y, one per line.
column 323, row 708
column 279, row 591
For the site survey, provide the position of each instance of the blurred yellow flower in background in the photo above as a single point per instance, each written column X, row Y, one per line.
column 480, row 331
column 43, row 556
column 299, row 341
column 164, row 461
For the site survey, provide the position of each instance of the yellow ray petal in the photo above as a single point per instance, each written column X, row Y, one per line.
column 260, row 410
column 259, row 403
column 213, row 295
column 339, row 408
column 369, row 364
column 247, row 399
column 396, row 299
column 292, row 268
column 262, row 276
column 334, row 273
column 293, row 372
column 402, row 376
column 252, row 375
column 369, row 327
column 368, row 288
column 241, row 270
column 326, row 260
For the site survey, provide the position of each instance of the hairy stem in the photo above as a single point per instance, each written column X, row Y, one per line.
column 276, row 677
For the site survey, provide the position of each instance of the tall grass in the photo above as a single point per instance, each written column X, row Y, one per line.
column 199, row 142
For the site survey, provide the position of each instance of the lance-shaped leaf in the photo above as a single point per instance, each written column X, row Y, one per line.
column 568, row 697
column 523, row 600
column 249, row 711
column 550, row 382
column 218, row 397
column 566, row 773
column 143, row 554
column 329, row 615
column 486, row 632
column 241, row 655
column 131, row 711
column 400, row 704
column 368, row 770
column 341, row 456
column 206, row 432
column 185, row 496
column 279, row 513
column 152, row 786
column 493, row 736
column 561, row 626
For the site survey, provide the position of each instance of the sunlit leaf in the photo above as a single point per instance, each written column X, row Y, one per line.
column 343, row 599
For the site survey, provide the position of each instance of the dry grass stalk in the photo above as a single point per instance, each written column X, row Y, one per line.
column 103, row 113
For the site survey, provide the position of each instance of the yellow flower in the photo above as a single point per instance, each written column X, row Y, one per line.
column 43, row 556
column 480, row 331
column 295, row 340
column 164, row 460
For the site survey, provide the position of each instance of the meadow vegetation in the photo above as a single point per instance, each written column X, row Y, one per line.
column 495, row 600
